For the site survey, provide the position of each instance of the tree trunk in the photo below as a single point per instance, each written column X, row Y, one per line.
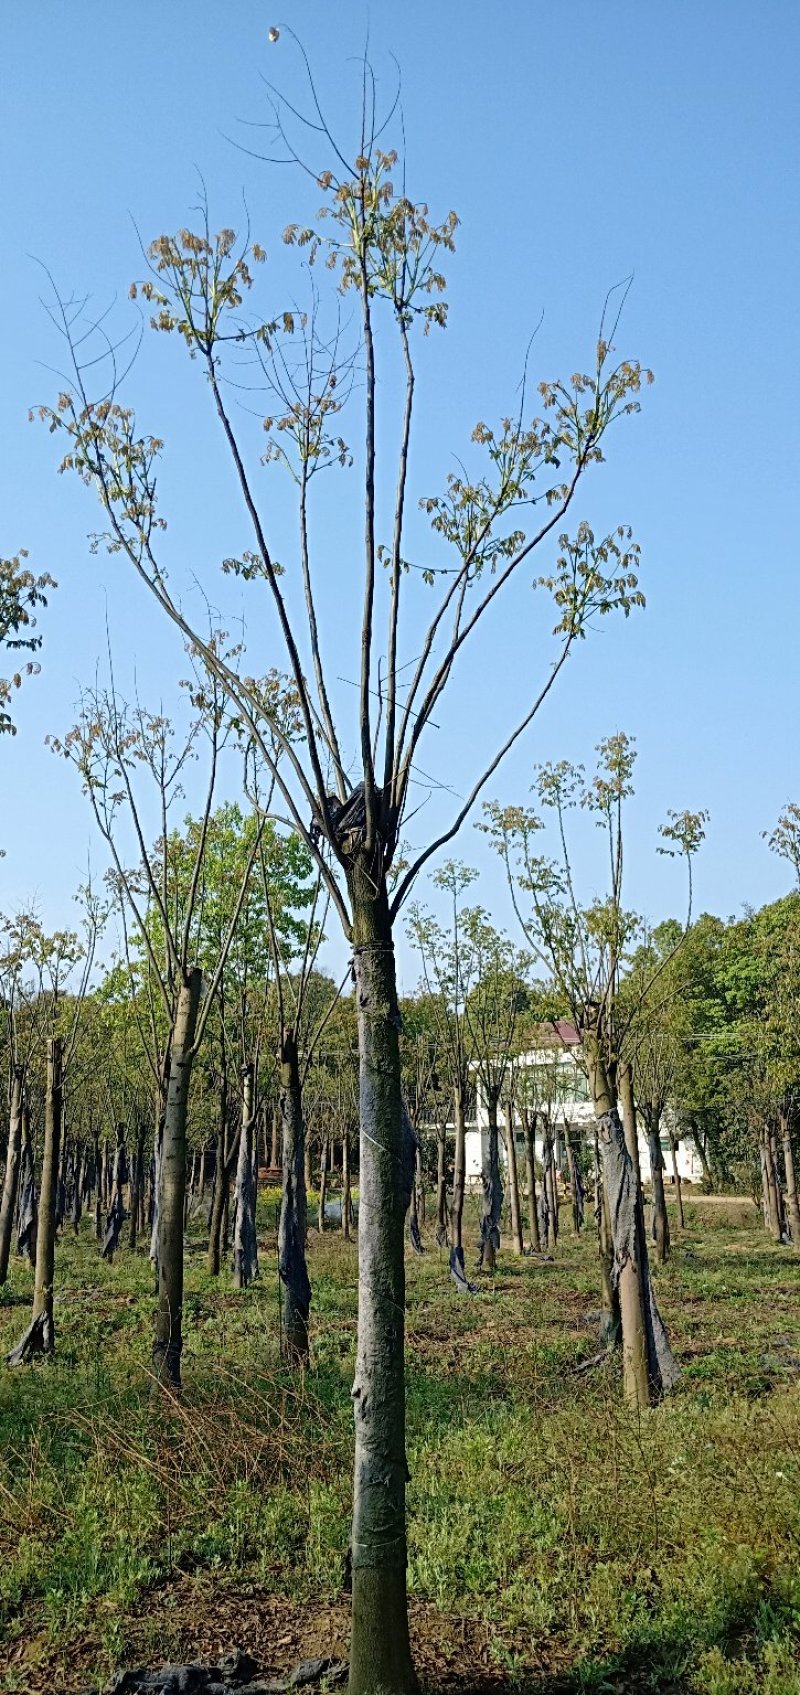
column 441, row 1186
column 11, row 1178
column 40, row 1335
column 629, row 1123
column 573, row 1186
column 708, row 1175
column 660, row 1216
column 245, row 1251
column 459, row 1168
column 98, row 1198
column 578, row 1195
column 611, row 1320
column 323, row 1182
column 380, row 1656
column 419, row 1185
column 631, row 1292
column 791, row 1180
column 27, row 1205
column 46, row 1238
column 773, row 1148
column 226, row 1206
column 346, row 1201
column 545, row 1187
column 168, row 1342
column 292, row 1226
column 105, row 1181
column 649, row 1368
column 492, row 1190
column 513, row 1181
column 764, row 1178
column 552, row 1182
column 673, row 1148
column 274, row 1152
column 773, row 1192
column 530, row 1161
column 77, row 1191
column 116, row 1211
column 154, row 1173
column 413, row 1214
column 137, row 1189
column 226, row 1154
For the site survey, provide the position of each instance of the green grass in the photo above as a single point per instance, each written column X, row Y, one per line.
column 582, row 1547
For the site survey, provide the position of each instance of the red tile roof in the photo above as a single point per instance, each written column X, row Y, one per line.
column 560, row 1032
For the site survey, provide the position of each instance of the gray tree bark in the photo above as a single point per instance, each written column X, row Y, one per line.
column 649, row 1368
column 98, row 1199
column 155, row 1182
column 441, row 1187
column 380, row 1657
column 292, row 1225
column 773, row 1148
column 660, row 1216
column 677, row 1179
column 77, row 1188
column 459, row 1168
column 699, row 1142
column 530, row 1162
column 513, row 1181
column 492, row 1206
column 116, row 1213
column 419, row 1185
column 553, row 1197
column 611, row 1319
column 168, row 1341
column 413, row 1210
column 764, row 1180
column 8, row 1204
column 274, row 1152
column 775, row 1222
column 136, row 1188
column 40, row 1336
column 630, row 1274
column 791, row 1179
column 576, row 1184
column 27, row 1207
column 245, row 1250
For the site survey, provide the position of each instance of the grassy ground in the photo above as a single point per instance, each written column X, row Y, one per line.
column 557, row 1542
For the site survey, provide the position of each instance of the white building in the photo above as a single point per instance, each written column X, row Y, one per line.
column 551, row 1083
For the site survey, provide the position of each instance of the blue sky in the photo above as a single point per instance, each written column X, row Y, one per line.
column 578, row 143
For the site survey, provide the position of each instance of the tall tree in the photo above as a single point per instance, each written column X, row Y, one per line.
column 119, row 754
column 64, row 961
column 383, row 248
column 585, row 948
